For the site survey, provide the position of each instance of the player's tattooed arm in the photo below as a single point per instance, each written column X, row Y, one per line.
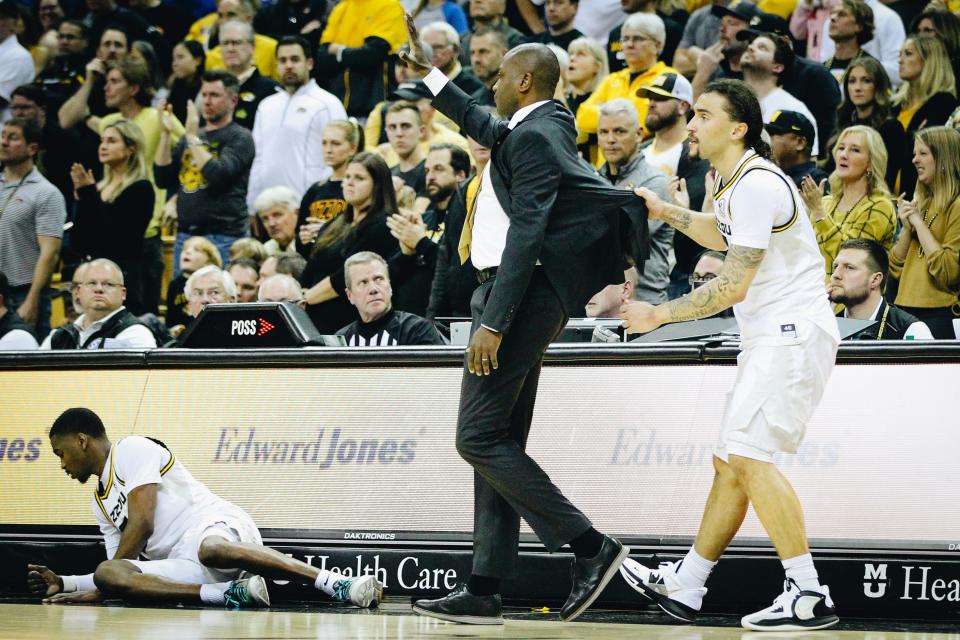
column 727, row 289
column 678, row 217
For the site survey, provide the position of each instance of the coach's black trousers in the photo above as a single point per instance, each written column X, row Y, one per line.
column 492, row 429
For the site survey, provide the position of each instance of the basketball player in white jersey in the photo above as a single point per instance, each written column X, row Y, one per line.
column 196, row 543
column 772, row 277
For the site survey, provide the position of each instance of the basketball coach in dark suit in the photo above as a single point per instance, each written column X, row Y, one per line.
column 544, row 234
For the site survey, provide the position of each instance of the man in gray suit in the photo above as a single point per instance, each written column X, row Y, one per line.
column 544, row 235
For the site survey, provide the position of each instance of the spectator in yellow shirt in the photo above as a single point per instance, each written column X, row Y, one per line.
column 643, row 35
column 264, row 47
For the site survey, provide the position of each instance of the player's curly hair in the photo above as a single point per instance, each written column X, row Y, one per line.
column 742, row 106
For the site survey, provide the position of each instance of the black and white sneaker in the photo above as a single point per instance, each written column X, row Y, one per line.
column 662, row 586
column 795, row 610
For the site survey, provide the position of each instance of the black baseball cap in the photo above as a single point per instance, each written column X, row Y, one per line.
column 411, row 90
column 764, row 23
column 740, row 9
column 790, row 122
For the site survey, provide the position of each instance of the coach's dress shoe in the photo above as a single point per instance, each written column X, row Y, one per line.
column 462, row 606
column 591, row 575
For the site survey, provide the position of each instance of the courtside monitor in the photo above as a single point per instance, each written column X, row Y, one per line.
column 254, row 325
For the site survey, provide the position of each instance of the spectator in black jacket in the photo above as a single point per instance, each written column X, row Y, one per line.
column 413, row 269
column 236, row 46
column 367, row 282
column 368, row 190
column 445, row 43
column 791, row 140
column 112, row 215
column 454, row 281
column 64, row 74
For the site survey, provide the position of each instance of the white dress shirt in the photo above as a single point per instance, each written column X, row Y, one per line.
column 136, row 337
column 490, row 222
column 888, row 37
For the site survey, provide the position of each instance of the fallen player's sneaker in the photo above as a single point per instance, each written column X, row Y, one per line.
column 365, row 591
column 795, row 610
column 249, row 592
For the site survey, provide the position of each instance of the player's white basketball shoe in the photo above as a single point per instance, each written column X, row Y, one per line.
column 795, row 610
column 662, row 586
column 365, row 591
column 249, row 592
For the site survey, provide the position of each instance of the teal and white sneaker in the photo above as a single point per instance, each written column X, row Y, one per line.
column 795, row 610
column 365, row 591
column 249, row 592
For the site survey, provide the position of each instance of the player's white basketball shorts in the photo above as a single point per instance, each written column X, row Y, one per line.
column 227, row 521
column 778, row 387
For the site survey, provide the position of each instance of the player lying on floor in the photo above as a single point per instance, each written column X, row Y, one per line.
column 197, row 544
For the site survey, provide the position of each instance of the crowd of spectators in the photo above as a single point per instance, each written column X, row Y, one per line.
column 279, row 151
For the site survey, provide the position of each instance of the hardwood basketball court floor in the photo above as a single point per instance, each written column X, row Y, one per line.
column 20, row 620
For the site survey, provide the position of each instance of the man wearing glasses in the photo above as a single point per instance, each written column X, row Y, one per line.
column 706, row 267
column 105, row 323
column 643, row 37
column 237, row 41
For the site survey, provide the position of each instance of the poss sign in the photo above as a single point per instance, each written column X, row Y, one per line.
column 263, row 325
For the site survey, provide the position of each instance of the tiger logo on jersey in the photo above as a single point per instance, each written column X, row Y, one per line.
column 328, row 209
column 191, row 178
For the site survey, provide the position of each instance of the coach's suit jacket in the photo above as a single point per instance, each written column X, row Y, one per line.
column 561, row 211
